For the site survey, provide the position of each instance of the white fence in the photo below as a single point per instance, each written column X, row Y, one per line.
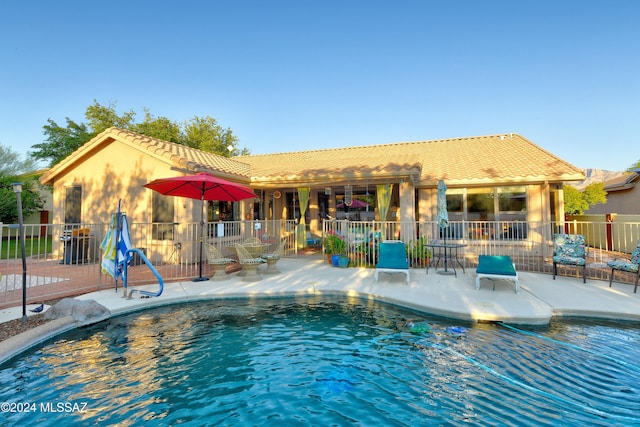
column 529, row 244
column 65, row 259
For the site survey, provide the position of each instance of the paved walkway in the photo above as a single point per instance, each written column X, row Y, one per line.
column 540, row 297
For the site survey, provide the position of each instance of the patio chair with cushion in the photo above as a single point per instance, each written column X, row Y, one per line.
column 273, row 257
column 312, row 240
column 392, row 258
column 496, row 267
column 249, row 264
column 570, row 249
column 631, row 265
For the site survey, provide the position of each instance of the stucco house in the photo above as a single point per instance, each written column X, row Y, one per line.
column 623, row 196
column 502, row 177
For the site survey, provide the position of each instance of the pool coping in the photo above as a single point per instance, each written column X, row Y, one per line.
column 539, row 301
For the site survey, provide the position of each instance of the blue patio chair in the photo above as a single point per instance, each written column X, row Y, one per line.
column 312, row 240
column 495, row 267
column 630, row 266
column 570, row 249
column 392, row 258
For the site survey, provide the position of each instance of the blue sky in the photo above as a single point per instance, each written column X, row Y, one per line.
column 295, row 75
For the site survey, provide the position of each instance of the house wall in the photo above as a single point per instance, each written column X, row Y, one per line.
column 115, row 172
column 625, row 202
column 111, row 173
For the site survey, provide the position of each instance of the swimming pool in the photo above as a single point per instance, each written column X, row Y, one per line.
column 324, row 361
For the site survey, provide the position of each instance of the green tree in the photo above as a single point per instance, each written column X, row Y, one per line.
column 202, row 133
column 205, row 134
column 577, row 202
column 159, row 127
column 11, row 163
column 634, row 166
column 61, row 141
column 14, row 169
column 103, row 117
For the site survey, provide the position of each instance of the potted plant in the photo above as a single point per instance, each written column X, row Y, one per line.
column 419, row 255
column 343, row 261
column 335, row 246
column 328, row 250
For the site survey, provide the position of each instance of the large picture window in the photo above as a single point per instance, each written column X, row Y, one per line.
column 512, row 203
column 162, row 216
column 490, row 211
column 480, row 204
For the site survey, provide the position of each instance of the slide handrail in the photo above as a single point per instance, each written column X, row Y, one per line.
column 151, row 267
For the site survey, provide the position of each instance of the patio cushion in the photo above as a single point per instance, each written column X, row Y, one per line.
column 496, row 267
column 570, row 249
column 501, row 265
column 623, row 265
column 631, row 266
column 392, row 259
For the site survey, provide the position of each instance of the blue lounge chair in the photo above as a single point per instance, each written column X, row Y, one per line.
column 496, row 267
column 392, row 258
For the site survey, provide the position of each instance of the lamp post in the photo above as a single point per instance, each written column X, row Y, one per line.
column 17, row 188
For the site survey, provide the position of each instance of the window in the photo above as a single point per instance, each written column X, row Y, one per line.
column 220, row 211
column 480, row 204
column 512, row 203
column 162, row 214
column 73, row 205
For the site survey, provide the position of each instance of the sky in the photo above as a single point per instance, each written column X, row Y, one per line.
column 316, row 74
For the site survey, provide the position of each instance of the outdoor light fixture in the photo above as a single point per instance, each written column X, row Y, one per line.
column 348, row 195
column 17, row 188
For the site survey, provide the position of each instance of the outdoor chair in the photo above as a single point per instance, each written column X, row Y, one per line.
column 252, row 241
column 495, row 267
column 312, row 240
column 629, row 265
column 273, row 257
column 392, row 258
column 570, row 249
column 249, row 264
column 218, row 262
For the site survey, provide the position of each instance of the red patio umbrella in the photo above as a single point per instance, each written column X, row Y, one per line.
column 203, row 186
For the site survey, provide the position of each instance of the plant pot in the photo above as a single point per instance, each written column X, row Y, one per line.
column 329, row 258
column 334, row 260
column 343, row 262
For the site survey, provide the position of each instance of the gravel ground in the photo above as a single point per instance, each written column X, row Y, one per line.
column 15, row 327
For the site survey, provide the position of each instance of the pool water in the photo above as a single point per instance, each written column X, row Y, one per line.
column 324, row 361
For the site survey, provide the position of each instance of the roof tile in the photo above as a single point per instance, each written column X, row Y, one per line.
column 463, row 161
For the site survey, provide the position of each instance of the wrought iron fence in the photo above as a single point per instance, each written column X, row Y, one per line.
column 529, row 244
column 66, row 259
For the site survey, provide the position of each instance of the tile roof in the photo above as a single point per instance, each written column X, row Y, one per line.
column 461, row 161
column 175, row 155
column 621, row 182
column 481, row 160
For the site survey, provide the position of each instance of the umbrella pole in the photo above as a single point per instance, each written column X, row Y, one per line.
column 445, row 249
column 200, row 278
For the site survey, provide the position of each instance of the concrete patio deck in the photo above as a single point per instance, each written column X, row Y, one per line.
column 540, row 298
